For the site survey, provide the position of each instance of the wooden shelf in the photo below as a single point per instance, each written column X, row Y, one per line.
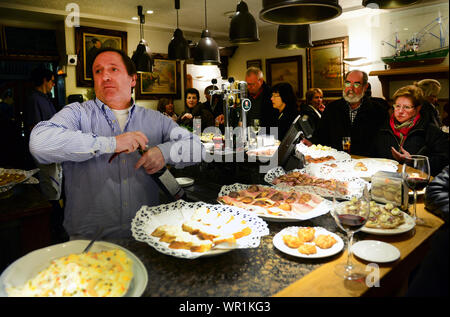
column 409, row 73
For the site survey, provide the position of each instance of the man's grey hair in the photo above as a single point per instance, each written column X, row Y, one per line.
column 365, row 76
column 255, row 71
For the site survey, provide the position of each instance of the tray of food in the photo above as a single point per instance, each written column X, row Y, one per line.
column 358, row 168
column 61, row 270
column 384, row 219
column 320, row 154
column 191, row 230
column 308, row 242
column 11, row 177
column 263, row 152
column 326, row 187
column 273, row 204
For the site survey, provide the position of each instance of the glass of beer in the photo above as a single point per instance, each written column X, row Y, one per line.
column 346, row 142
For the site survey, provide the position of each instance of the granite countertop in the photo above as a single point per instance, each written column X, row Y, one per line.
column 261, row 271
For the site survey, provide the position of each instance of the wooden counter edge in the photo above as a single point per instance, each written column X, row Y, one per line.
column 323, row 282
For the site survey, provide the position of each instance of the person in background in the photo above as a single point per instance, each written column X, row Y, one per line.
column 312, row 110
column 380, row 101
column 353, row 116
column 260, row 96
column 285, row 102
column 213, row 103
column 165, row 106
column 194, row 108
column 102, row 192
column 431, row 277
column 40, row 108
column 408, row 132
column 431, row 89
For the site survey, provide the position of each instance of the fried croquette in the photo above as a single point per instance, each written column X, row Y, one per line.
column 291, row 241
column 306, row 234
column 325, row 241
column 307, row 249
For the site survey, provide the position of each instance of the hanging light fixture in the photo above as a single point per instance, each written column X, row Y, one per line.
column 292, row 12
column 387, row 4
column 294, row 36
column 243, row 27
column 207, row 50
column 142, row 57
column 178, row 46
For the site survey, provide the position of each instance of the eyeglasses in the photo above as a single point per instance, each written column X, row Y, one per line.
column 398, row 107
column 348, row 84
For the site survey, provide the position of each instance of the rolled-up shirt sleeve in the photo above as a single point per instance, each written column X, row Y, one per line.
column 60, row 139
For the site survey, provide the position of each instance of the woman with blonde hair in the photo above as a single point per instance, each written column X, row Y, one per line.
column 312, row 110
column 409, row 131
column 430, row 89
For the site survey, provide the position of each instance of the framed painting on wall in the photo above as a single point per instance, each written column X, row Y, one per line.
column 163, row 81
column 88, row 40
column 326, row 67
column 286, row 69
column 254, row 63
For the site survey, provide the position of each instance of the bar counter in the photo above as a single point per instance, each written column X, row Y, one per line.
column 265, row 271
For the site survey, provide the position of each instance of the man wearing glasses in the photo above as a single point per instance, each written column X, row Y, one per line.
column 354, row 116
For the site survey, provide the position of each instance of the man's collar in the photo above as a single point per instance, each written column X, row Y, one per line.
column 102, row 105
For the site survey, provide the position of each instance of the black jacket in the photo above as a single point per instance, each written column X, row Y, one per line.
column 312, row 116
column 284, row 120
column 436, row 196
column 198, row 110
column 423, row 139
column 268, row 114
column 335, row 124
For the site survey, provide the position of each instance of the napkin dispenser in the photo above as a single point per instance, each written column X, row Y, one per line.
column 388, row 187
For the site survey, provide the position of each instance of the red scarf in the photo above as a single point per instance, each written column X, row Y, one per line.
column 401, row 130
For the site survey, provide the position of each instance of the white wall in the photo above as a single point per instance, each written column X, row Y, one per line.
column 365, row 30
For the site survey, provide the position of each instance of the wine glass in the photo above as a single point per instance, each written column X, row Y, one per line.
column 351, row 216
column 416, row 175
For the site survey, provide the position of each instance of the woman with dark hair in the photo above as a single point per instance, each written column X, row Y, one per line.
column 284, row 100
column 165, row 106
column 194, row 108
column 410, row 131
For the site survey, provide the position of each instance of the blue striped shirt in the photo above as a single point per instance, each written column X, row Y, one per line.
column 81, row 137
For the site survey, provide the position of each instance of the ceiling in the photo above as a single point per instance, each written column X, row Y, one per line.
column 191, row 13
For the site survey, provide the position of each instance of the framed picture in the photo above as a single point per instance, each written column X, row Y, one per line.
column 164, row 81
column 88, row 41
column 326, row 67
column 286, row 69
column 254, row 63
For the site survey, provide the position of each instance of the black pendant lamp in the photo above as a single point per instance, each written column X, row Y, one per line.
column 207, row 51
column 387, row 4
column 178, row 46
column 293, row 12
column 243, row 27
column 142, row 57
column 294, row 36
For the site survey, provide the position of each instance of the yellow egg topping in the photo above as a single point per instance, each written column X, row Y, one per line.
column 91, row 274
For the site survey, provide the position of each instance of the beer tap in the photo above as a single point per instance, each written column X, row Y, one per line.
column 229, row 100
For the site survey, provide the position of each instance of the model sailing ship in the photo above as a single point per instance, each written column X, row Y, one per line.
column 409, row 54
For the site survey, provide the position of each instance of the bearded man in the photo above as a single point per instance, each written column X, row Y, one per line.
column 353, row 116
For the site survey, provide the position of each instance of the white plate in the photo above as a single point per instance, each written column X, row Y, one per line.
column 147, row 219
column 375, row 251
column 260, row 152
column 34, row 262
column 323, row 208
column 404, row 227
column 28, row 174
column 321, row 253
column 184, row 181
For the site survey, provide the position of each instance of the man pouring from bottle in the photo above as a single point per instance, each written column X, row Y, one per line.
column 84, row 136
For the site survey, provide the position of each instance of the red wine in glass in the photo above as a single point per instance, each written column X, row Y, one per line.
column 351, row 222
column 416, row 183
